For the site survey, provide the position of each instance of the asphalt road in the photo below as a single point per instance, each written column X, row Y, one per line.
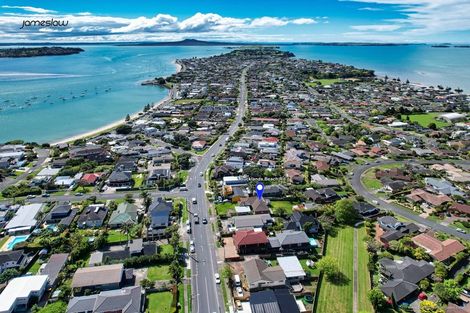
column 206, row 295
column 359, row 188
column 42, row 154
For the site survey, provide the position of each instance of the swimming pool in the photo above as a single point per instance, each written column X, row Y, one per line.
column 15, row 240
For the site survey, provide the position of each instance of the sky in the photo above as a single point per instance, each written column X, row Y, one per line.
column 395, row 21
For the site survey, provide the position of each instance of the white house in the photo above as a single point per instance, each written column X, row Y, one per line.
column 16, row 295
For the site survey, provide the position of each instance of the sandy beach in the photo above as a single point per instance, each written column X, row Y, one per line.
column 116, row 123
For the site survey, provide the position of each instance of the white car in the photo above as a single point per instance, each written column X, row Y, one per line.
column 217, row 278
column 192, row 248
column 460, row 230
column 239, row 292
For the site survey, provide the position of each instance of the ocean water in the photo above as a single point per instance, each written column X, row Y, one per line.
column 45, row 99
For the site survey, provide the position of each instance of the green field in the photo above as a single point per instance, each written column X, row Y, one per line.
column 160, row 272
column 369, row 180
column 223, row 208
column 159, row 302
column 184, row 210
column 341, row 248
column 425, row 119
column 364, row 283
column 166, row 249
column 35, row 267
column 325, row 82
column 183, row 175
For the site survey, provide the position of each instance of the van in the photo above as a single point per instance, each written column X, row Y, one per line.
column 236, row 280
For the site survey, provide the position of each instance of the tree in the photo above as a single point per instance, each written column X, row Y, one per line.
column 147, row 283
column 227, row 272
column 377, row 299
column 175, row 271
column 129, row 198
column 420, row 254
column 345, row 212
column 9, row 274
column 424, row 284
column 447, row 291
column 432, row 126
column 329, row 266
column 124, row 129
column 440, row 271
column 427, row 306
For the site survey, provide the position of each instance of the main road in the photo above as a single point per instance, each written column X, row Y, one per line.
column 360, row 189
column 206, row 296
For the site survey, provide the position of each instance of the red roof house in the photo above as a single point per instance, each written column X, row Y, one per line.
column 250, row 241
column 90, row 179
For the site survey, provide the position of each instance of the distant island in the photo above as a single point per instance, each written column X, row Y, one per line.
column 36, row 52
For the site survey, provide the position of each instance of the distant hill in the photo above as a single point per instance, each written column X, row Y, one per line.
column 186, row 42
column 36, row 52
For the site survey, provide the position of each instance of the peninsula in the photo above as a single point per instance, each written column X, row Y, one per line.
column 36, row 52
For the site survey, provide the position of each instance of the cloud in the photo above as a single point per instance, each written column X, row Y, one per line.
column 268, row 21
column 98, row 27
column 370, row 9
column 29, row 9
column 304, row 21
column 376, row 28
column 427, row 17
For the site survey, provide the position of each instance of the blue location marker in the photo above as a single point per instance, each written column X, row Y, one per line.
column 259, row 190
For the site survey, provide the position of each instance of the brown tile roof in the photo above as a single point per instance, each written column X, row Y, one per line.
column 98, row 275
column 439, row 250
column 462, row 208
column 249, row 237
column 436, row 200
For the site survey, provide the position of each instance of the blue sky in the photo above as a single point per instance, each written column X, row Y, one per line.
column 239, row 20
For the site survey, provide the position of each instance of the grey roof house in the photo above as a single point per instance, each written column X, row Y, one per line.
column 260, row 275
column 92, row 216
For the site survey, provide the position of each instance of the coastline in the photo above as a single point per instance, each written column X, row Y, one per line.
column 115, row 124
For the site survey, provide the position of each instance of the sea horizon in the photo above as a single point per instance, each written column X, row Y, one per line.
column 116, row 91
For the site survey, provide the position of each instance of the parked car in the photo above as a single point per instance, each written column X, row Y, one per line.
column 217, row 278
column 78, row 194
column 204, row 220
column 45, row 195
column 30, row 197
column 239, row 292
column 460, row 230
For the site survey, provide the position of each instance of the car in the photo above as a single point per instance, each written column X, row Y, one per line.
column 45, row 195
column 204, row 220
column 460, row 230
column 183, row 188
column 239, row 292
column 199, row 185
column 188, row 223
column 220, row 145
column 201, row 174
column 30, row 197
column 194, row 201
column 188, row 229
column 213, row 155
column 191, row 242
column 375, row 202
column 217, row 278
column 196, row 220
column 78, row 194
column 192, row 249
column 196, row 215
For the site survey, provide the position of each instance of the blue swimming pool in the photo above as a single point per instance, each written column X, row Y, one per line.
column 15, row 240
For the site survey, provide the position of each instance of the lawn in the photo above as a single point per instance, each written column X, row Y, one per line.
column 183, row 175
column 456, row 224
column 341, row 248
column 35, row 267
column 181, row 294
column 138, row 180
column 369, row 180
column 55, row 307
column 159, row 302
column 325, row 82
column 364, row 283
column 160, row 272
column 166, row 249
column 115, row 236
column 187, row 101
column 425, row 119
column 184, row 210
column 282, row 206
column 3, row 240
column 223, row 208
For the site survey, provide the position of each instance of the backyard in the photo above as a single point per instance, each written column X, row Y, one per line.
column 159, row 302
column 282, row 207
column 224, row 208
column 160, row 272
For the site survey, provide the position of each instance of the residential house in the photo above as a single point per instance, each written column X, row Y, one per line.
column 304, row 222
column 20, row 292
column 290, row 240
column 198, row 145
column 160, row 211
column 389, row 229
column 257, row 206
column 53, row 267
column 441, row 251
column 401, row 277
column 12, row 259
column 61, row 214
column 260, row 275
column 105, row 277
column 295, row 176
column 159, row 173
column 323, row 181
column 125, row 214
column 235, row 162
column 125, row 300
column 248, row 222
column 460, row 209
column 92, row 216
column 442, row 186
column 250, row 241
column 90, row 179
column 274, row 191
column 324, row 195
column 25, row 219
column 120, row 178
column 421, row 196
column 134, row 247
column 365, row 209
column 292, row 268
column 279, row 300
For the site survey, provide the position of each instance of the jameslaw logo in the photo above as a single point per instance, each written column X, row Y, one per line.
column 44, row 23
